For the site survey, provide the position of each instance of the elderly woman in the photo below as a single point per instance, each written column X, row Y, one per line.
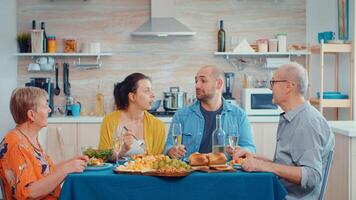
column 133, row 97
column 26, row 170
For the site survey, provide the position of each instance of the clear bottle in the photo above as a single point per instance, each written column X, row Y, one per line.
column 218, row 137
column 99, row 103
column 221, row 37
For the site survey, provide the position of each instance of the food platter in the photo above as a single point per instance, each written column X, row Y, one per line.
column 153, row 173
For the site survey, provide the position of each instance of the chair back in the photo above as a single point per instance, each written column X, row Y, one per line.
column 2, row 189
column 326, row 174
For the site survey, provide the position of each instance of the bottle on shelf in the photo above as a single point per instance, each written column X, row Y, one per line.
column 44, row 37
column 33, row 24
column 218, row 137
column 99, row 103
column 221, row 37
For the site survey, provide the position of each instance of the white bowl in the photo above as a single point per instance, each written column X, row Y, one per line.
column 46, row 67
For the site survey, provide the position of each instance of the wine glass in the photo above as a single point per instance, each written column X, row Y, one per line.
column 116, row 142
column 233, row 138
column 177, row 135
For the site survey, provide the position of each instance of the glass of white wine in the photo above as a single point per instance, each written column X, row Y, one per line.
column 177, row 135
column 233, row 139
column 116, row 142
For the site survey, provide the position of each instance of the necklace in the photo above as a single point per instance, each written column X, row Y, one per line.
column 39, row 148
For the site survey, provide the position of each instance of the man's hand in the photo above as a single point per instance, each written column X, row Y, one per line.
column 177, row 152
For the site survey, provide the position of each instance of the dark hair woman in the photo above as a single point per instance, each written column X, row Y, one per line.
column 139, row 131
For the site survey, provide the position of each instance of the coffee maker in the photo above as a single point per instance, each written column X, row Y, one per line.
column 44, row 83
column 229, row 84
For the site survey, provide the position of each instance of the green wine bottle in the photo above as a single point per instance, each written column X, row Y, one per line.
column 221, row 37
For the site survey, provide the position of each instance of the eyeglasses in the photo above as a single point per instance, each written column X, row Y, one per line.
column 272, row 82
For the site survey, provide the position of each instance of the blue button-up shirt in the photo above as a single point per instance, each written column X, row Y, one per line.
column 192, row 122
column 304, row 139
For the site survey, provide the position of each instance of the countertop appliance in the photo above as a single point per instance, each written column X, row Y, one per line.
column 229, row 85
column 258, row 101
column 44, row 83
column 174, row 99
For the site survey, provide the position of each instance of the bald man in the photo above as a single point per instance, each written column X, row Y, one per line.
column 304, row 138
column 198, row 120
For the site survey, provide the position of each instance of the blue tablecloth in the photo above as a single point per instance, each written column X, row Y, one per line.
column 198, row 185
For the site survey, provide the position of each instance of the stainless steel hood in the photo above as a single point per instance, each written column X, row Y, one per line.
column 163, row 22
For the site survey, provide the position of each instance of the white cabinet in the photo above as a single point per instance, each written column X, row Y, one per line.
column 265, row 134
column 61, row 141
column 342, row 177
column 88, row 135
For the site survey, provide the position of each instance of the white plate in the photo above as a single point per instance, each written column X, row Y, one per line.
column 104, row 166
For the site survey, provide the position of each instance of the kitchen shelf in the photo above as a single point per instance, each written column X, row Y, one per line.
column 333, row 49
column 64, row 54
column 78, row 55
column 331, row 103
column 289, row 53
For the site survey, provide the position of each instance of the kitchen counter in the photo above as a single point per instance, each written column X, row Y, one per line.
column 347, row 128
column 92, row 119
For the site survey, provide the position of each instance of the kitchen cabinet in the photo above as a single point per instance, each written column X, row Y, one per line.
column 265, row 134
column 88, row 135
column 61, row 141
column 64, row 138
column 342, row 178
column 334, row 49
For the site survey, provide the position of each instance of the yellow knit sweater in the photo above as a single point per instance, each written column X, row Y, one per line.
column 154, row 132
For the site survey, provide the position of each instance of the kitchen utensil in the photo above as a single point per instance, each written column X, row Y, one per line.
column 76, row 107
column 66, row 84
column 174, row 99
column 57, row 90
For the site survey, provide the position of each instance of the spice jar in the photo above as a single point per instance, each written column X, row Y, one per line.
column 52, row 44
column 70, row 46
column 262, row 45
column 282, row 42
column 272, row 45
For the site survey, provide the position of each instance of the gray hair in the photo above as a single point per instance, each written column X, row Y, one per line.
column 296, row 72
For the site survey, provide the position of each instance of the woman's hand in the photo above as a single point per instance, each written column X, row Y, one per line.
column 76, row 165
column 128, row 140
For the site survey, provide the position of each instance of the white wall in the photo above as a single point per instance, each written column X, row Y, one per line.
column 321, row 15
column 8, row 62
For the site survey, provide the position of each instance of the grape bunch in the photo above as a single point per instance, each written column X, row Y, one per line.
column 168, row 165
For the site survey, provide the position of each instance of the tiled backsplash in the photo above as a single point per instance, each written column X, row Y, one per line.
column 169, row 61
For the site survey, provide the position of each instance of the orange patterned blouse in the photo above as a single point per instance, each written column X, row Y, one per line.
column 21, row 164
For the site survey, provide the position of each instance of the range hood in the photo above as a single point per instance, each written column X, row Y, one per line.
column 162, row 22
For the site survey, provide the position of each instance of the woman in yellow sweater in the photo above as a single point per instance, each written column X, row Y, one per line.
column 133, row 97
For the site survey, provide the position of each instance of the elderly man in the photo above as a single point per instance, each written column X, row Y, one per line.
column 198, row 120
column 304, row 138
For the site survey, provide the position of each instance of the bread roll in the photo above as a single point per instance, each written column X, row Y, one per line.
column 217, row 158
column 197, row 159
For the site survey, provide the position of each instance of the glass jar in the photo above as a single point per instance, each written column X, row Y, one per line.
column 272, row 45
column 262, row 45
column 52, row 44
column 70, row 46
column 282, row 42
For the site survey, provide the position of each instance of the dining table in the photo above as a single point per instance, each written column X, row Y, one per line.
column 105, row 184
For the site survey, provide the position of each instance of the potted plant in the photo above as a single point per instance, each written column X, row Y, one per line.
column 23, row 40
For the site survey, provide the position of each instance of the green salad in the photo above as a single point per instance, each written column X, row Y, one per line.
column 103, row 154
